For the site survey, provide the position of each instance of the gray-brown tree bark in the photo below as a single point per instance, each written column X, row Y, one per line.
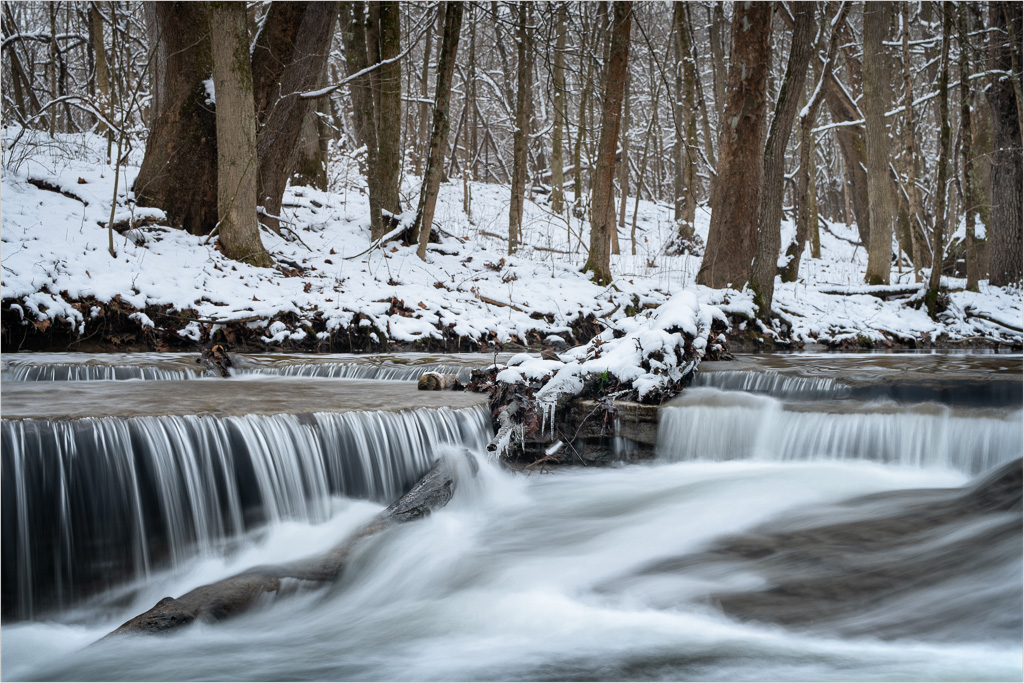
column 876, row 102
column 520, row 134
column 353, row 31
column 769, row 212
column 939, row 231
column 441, row 124
column 558, row 86
column 731, row 236
column 971, row 188
column 389, row 112
column 238, row 227
column 179, row 169
column 1005, row 235
column 602, row 220
column 288, row 59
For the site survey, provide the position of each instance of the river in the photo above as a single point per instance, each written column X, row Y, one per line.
column 802, row 518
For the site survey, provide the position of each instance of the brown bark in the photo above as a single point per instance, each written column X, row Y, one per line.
column 909, row 147
column 355, row 40
column 288, row 59
column 558, row 85
column 100, row 58
column 422, row 143
column 939, row 232
column 854, row 151
column 389, row 114
column 730, row 246
column 972, row 195
column 1005, row 236
column 520, row 136
column 769, row 212
column 179, row 170
column 602, row 220
column 876, row 102
column 238, row 228
column 441, row 124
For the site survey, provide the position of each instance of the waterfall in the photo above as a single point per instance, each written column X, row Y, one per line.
column 716, row 425
column 362, row 371
column 772, row 383
column 93, row 503
column 91, row 372
column 85, row 372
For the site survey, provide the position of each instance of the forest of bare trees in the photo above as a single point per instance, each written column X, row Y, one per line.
column 903, row 119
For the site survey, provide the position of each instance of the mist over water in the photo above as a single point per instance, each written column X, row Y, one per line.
column 772, row 538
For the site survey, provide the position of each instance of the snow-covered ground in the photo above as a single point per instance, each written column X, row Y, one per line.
column 57, row 269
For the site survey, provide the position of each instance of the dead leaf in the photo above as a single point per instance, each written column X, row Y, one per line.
column 82, row 181
column 421, row 305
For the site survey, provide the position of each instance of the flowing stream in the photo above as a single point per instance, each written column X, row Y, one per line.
column 805, row 523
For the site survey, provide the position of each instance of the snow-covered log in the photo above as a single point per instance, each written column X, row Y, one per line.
column 645, row 358
column 238, row 593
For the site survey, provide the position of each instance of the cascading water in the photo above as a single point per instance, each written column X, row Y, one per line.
column 795, row 537
column 773, row 384
column 708, row 424
column 82, row 372
column 95, row 502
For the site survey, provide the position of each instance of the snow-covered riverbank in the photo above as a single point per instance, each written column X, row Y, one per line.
column 332, row 291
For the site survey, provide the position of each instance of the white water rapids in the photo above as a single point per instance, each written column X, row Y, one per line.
column 589, row 574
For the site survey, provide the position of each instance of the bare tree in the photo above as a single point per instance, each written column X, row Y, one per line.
column 179, row 170
column 733, row 230
column 521, row 132
column 239, row 230
column 602, row 220
column 769, row 212
column 441, row 124
column 1005, row 236
column 876, row 101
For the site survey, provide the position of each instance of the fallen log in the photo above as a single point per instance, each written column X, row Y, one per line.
column 238, row 593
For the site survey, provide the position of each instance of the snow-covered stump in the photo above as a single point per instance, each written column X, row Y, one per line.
column 643, row 360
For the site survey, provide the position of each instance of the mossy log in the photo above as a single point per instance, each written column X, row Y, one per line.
column 240, row 592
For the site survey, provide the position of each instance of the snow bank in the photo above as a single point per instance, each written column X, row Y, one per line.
column 333, row 292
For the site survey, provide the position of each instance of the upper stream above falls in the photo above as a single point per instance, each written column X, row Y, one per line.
column 731, row 553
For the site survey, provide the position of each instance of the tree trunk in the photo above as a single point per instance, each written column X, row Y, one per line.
column 939, row 233
column 422, row 144
column 100, row 58
column 441, row 124
column 309, row 162
column 354, row 35
column 389, row 116
column 876, row 102
column 289, row 58
column 854, row 151
column 179, row 170
column 733, row 230
column 769, row 212
column 520, row 135
column 972, row 196
column 1005, row 234
column 239, row 230
column 558, row 85
column 909, row 148
column 601, row 205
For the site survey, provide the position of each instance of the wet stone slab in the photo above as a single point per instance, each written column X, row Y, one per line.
column 247, row 395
